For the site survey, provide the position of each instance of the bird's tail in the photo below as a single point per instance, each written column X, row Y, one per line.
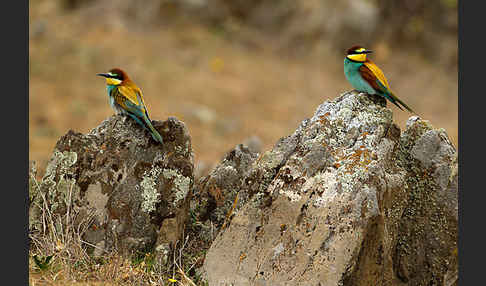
column 395, row 99
column 155, row 134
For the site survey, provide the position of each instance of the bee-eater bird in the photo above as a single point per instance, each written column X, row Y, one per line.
column 367, row 77
column 126, row 98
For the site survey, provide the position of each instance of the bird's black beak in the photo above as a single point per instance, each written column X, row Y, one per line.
column 367, row 52
column 103, row 74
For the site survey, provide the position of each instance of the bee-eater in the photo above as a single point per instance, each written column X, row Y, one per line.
column 367, row 77
column 126, row 98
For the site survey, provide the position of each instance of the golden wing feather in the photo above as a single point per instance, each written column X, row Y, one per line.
column 129, row 93
column 119, row 98
column 377, row 73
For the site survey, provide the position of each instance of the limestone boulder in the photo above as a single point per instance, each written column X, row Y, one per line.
column 347, row 199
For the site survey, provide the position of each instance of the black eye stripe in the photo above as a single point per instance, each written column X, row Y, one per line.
column 116, row 76
column 356, row 52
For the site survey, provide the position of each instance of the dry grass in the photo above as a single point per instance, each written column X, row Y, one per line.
column 113, row 270
column 59, row 239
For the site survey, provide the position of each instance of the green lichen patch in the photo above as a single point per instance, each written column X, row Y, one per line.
column 59, row 169
column 181, row 183
column 270, row 160
column 150, row 194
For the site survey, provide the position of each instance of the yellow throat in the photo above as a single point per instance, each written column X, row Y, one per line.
column 112, row 81
column 357, row 57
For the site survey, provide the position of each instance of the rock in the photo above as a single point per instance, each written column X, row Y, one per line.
column 128, row 190
column 215, row 194
column 216, row 198
column 347, row 199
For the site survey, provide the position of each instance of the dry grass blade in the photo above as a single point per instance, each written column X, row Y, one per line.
column 228, row 215
column 186, row 279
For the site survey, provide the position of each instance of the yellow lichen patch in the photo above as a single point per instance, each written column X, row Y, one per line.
column 242, row 256
column 322, row 118
column 361, row 158
column 363, row 135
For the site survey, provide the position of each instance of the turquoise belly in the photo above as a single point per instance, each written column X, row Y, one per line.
column 112, row 99
column 351, row 71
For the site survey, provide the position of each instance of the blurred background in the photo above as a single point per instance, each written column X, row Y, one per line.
column 234, row 70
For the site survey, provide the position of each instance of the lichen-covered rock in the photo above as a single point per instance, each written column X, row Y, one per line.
column 215, row 195
column 347, row 199
column 127, row 185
